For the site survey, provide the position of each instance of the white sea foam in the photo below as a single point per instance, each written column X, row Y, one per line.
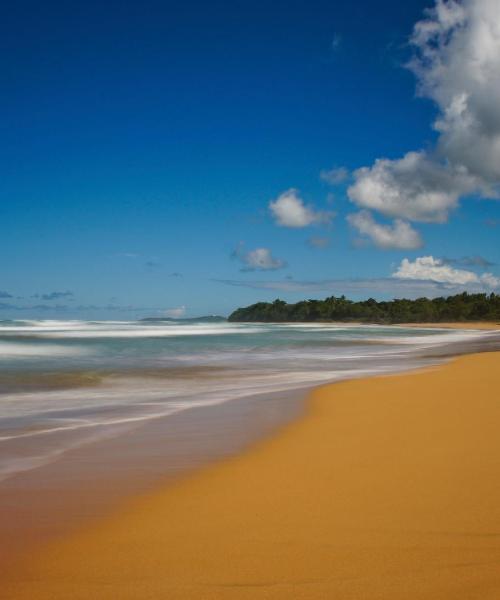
column 23, row 350
column 155, row 401
column 122, row 329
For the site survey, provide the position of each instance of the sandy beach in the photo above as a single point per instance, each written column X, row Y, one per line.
column 386, row 488
column 250, row 300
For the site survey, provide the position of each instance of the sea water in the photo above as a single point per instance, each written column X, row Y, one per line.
column 68, row 383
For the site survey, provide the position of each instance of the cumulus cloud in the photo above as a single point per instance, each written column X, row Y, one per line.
column 260, row 259
column 457, row 65
column 399, row 235
column 289, row 210
column 175, row 313
column 334, row 176
column 489, row 280
column 414, row 187
column 428, row 268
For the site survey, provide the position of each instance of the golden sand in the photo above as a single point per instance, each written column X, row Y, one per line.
column 387, row 488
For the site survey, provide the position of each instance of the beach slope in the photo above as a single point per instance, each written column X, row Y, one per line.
column 387, row 488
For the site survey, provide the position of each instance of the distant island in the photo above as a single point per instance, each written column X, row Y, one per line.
column 462, row 307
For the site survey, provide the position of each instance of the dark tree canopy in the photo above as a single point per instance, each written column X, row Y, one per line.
column 462, row 307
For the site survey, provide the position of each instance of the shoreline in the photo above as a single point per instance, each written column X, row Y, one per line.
column 479, row 325
column 92, row 480
column 81, row 488
column 382, row 483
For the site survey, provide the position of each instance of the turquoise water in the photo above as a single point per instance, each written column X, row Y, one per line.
column 67, row 383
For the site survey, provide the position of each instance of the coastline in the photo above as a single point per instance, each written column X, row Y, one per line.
column 385, row 488
column 87, row 481
column 479, row 325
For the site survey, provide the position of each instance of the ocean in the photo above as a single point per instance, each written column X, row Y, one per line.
column 64, row 384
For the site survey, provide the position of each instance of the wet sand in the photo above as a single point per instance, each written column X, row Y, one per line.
column 386, row 488
column 91, row 481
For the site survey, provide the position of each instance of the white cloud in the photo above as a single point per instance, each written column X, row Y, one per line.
column 334, row 176
column 399, row 235
column 433, row 269
column 175, row 313
column 489, row 280
column 414, row 187
column 457, row 65
column 260, row 259
column 289, row 210
column 428, row 268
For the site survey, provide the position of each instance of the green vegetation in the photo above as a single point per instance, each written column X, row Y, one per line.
column 462, row 307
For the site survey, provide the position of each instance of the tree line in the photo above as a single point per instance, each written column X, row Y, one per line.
column 462, row 307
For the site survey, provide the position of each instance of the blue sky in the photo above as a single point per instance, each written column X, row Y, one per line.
column 195, row 157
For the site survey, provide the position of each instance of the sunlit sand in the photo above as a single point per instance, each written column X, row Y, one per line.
column 386, row 488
